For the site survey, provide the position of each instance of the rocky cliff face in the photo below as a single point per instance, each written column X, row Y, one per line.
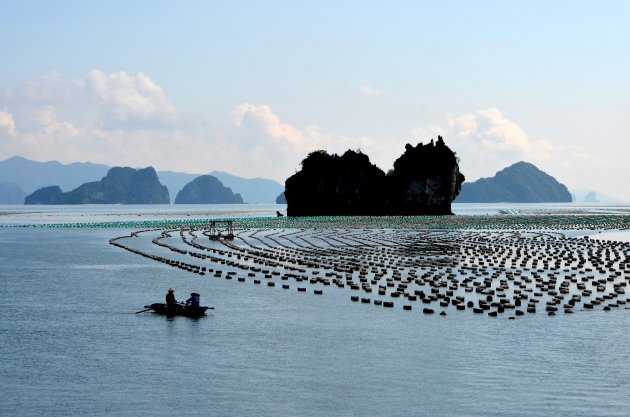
column 425, row 180
column 119, row 186
column 207, row 189
column 335, row 186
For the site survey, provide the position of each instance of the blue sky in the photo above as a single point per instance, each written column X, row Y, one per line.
column 252, row 87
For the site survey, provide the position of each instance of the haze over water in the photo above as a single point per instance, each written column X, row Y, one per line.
column 72, row 345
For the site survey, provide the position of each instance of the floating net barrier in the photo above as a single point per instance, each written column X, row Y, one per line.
column 467, row 222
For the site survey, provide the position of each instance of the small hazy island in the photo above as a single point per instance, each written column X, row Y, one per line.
column 119, row 186
column 207, row 189
column 281, row 199
column 424, row 181
column 519, row 183
column 11, row 193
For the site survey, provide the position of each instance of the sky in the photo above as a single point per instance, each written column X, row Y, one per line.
column 251, row 87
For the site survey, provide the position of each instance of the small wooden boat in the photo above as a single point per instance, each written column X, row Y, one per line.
column 178, row 310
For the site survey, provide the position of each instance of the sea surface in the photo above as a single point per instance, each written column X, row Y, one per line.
column 71, row 345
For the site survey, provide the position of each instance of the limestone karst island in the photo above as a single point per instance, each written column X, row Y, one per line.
column 425, row 181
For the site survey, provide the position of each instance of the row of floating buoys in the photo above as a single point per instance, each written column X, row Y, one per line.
column 518, row 221
column 491, row 272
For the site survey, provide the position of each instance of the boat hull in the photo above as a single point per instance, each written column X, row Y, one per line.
column 178, row 310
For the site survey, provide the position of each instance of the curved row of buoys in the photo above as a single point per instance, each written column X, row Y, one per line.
column 490, row 272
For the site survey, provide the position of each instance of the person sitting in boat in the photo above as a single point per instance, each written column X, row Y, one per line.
column 193, row 301
column 170, row 297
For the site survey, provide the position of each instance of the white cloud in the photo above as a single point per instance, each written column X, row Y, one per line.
column 46, row 118
column 113, row 118
column 110, row 100
column 273, row 148
column 128, row 119
column 269, row 146
column 6, row 122
column 47, row 89
column 486, row 141
column 370, row 90
column 125, row 119
column 129, row 97
column 261, row 118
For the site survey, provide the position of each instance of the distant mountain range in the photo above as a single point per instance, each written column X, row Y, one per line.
column 20, row 177
column 519, row 183
column 119, row 186
column 11, row 193
column 32, row 175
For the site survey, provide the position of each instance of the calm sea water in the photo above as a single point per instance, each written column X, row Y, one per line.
column 71, row 345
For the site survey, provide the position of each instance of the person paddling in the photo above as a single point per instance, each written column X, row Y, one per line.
column 194, row 299
column 170, row 297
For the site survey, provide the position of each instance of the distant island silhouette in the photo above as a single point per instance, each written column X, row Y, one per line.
column 424, row 181
column 20, row 177
column 519, row 183
column 207, row 189
column 119, row 186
